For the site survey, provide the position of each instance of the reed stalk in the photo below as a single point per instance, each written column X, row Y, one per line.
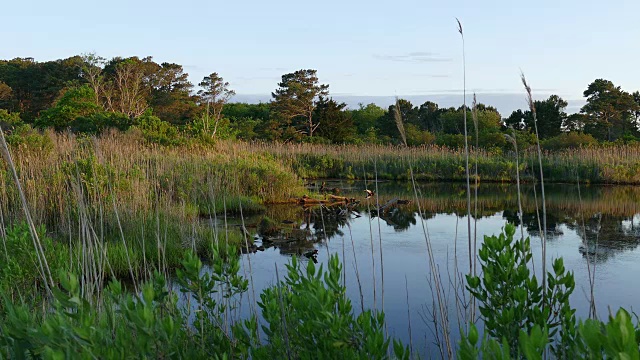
column 544, row 208
column 43, row 265
column 466, row 149
column 373, row 261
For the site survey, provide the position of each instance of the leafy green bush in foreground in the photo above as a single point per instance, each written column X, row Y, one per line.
column 524, row 320
column 305, row 315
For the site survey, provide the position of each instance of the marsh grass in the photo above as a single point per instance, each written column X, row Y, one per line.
column 127, row 208
column 615, row 164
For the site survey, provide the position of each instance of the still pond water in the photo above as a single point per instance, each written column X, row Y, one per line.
column 601, row 222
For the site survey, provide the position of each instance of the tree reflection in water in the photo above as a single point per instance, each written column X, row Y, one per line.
column 606, row 215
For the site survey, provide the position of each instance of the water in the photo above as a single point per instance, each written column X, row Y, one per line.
column 602, row 223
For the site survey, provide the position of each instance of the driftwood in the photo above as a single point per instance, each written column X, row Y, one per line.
column 342, row 199
column 389, row 204
column 308, row 200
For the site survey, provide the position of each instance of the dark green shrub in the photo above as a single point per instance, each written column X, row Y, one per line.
column 19, row 270
column 26, row 137
column 415, row 136
column 9, row 120
column 158, row 131
column 100, row 121
column 570, row 140
column 454, row 141
column 74, row 103
column 308, row 315
column 512, row 299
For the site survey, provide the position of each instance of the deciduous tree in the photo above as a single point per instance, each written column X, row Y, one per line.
column 365, row 117
column 215, row 94
column 36, row 85
column 74, row 103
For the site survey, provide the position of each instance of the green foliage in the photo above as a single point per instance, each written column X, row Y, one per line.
column 74, row 103
column 511, row 299
column 523, row 320
column 295, row 99
column 152, row 323
column 202, row 129
column 171, row 93
column 5, row 91
column 334, row 123
column 570, row 140
column 366, row 117
column 308, row 315
column 36, row 85
column 9, row 120
column 25, row 137
column 549, row 113
column 19, row 269
column 618, row 338
column 453, row 141
column 610, row 111
column 416, row 137
column 244, row 128
column 124, row 326
column 203, row 288
column 88, row 94
column 158, row 131
column 97, row 122
column 215, row 95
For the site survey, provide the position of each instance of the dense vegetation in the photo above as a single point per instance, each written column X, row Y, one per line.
column 125, row 198
column 89, row 94
column 126, row 169
column 304, row 315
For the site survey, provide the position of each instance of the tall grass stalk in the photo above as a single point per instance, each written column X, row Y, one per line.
column 544, row 208
column 283, row 314
column 590, row 260
column 439, row 300
column 406, row 287
column 397, row 116
column 373, row 260
column 474, row 116
column 514, row 141
column 355, row 264
column 466, row 148
column 43, row 265
column 3, row 233
column 458, row 287
column 375, row 167
column 246, row 244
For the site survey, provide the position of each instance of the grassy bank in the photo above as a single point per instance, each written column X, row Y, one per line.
column 125, row 196
column 115, row 207
column 119, row 191
column 601, row 165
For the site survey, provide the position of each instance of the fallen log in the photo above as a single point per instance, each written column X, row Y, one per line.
column 389, row 204
column 342, row 199
column 307, row 201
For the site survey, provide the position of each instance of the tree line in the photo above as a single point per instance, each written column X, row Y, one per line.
column 89, row 94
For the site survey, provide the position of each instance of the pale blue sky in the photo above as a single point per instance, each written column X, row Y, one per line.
column 360, row 48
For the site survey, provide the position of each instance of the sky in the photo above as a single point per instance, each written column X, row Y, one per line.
column 367, row 51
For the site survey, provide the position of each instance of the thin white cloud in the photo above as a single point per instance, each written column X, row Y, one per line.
column 417, row 57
